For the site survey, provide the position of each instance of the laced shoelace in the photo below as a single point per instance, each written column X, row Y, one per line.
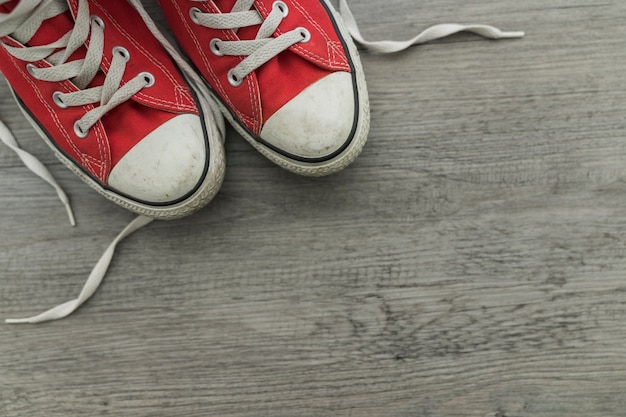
column 258, row 51
column 22, row 23
column 265, row 46
column 28, row 15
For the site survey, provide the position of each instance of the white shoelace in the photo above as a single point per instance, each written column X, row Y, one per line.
column 28, row 15
column 92, row 283
column 265, row 47
column 429, row 34
column 32, row 163
column 25, row 20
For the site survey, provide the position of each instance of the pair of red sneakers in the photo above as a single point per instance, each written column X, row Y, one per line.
column 132, row 120
column 144, row 127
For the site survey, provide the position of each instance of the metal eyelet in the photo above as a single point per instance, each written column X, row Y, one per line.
column 233, row 80
column 78, row 131
column 31, row 70
column 148, row 77
column 193, row 14
column 306, row 35
column 97, row 20
column 215, row 47
column 282, row 7
column 56, row 97
column 123, row 52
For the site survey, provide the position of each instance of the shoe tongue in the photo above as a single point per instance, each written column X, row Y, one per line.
column 225, row 5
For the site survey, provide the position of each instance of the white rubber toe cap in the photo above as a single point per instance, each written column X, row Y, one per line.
column 317, row 122
column 166, row 165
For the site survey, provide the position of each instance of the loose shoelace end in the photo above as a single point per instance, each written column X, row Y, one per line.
column 94, row 280
column 18, row 321
column 512, row 35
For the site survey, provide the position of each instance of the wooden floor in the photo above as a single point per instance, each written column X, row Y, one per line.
column 471, row 263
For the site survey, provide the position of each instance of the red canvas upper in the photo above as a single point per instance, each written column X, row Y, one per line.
column 123, row 127
column 274, row 84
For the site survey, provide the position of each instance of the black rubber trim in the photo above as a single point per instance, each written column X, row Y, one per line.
column 113, row 190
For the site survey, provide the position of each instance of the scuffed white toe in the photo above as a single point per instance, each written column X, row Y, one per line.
column 316, row 123
column 166, row 165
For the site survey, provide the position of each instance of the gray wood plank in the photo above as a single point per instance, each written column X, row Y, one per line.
column 470, row 263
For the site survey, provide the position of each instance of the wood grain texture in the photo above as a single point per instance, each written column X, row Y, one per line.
column 471, row 263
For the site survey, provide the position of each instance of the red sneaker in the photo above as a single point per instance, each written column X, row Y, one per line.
column 112, row 104
column 286, row 74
